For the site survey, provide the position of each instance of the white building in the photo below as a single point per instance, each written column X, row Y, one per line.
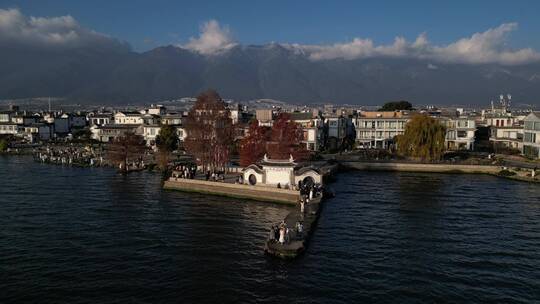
column 155, row 110
column 5, row 116
column 460, row 132
column 509, row 137
column 312, row 128
column 9, row 128
column 531, row 135
column 285, row 173
column 100, row 119
column 150, row 132
column 378, row 129
column 128, row 118
column 108, row 133
column 171, row 119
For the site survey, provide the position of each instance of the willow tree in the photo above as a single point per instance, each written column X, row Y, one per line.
column 423, row 138
column 209, row 132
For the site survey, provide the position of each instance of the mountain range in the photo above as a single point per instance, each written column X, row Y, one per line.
column 118, row 75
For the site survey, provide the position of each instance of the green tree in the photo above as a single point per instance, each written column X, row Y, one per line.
column 167, row 138
column 3, row 145
column 396, row 106
column 424, row 138
column 167, row 142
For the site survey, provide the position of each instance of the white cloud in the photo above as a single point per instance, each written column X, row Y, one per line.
column 486, row 47
column 64, row 31
column 212, row 39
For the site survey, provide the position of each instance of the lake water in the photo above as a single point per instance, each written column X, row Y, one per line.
column 78, row 235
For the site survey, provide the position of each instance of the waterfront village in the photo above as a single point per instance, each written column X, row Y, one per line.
column 278, row 152
column 326, row 128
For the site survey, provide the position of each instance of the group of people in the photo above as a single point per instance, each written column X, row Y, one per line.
column 62, row 155
column 215, row 176
column 283, row 234
column 185, row 171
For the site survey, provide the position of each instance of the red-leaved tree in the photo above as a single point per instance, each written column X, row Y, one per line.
column 253, row 146
column 209, row 132
column 286, row 139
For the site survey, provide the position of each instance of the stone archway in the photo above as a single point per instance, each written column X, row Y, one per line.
column 308, row 181
column 252, row 179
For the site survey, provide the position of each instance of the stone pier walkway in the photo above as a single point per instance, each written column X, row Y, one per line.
column 297, row 242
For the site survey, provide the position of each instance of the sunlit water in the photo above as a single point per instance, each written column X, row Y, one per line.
column 92, row 236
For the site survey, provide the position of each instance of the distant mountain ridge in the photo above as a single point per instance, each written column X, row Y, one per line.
column 98, row 75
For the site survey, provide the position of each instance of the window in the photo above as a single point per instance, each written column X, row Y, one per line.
column 463, row 123
column 531, row 151
column 461, row 134
column 529, row 137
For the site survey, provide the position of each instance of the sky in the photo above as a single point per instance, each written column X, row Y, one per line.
column 148, row 24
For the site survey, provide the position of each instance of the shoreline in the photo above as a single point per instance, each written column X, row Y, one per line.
column 436, row 168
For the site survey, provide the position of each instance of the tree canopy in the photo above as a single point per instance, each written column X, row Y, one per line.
column 396, row 106
column 129, row 146
column 423, row 138
column 209, row 131
column 167, row 139
column 280, row 142
column 253, row 145
column 3, row 145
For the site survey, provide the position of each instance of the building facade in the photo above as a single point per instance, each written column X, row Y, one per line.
column 379, row 129
column 531, row 135
column 460, row 133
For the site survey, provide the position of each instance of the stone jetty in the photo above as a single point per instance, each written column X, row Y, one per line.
column 258, row 193
column 297, row 241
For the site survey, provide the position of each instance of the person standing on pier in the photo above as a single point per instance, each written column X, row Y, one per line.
column 302, row 206
column 282, row 230
column 272, row 236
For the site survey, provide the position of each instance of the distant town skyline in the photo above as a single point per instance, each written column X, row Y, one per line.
column 145, row 25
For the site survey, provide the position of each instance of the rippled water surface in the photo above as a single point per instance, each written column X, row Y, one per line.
column 90, row 235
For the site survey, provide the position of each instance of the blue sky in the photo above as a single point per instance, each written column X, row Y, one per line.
column 147, row 24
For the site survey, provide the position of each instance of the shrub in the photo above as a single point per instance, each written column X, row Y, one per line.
column 506, row 173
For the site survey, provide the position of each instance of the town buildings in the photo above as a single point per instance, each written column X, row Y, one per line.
column 379, row 129
column 460, row 132
column 531, row 135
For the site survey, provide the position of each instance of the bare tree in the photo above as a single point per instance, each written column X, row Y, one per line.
column 209, row 132
column 125, row 148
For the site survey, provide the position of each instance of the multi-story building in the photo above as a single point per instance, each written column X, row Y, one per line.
column 108, row 133
column 37, row 131
column 507, row 137
column 312, row 128
column 378, row 129
column 100, row 119
column 5, row 116
column 9, row 128
column 150, row 132
column 460, row 132
column 265, row 117
column 531, row 135
column 128, row 118
column 154, row 110
column 174, row 119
